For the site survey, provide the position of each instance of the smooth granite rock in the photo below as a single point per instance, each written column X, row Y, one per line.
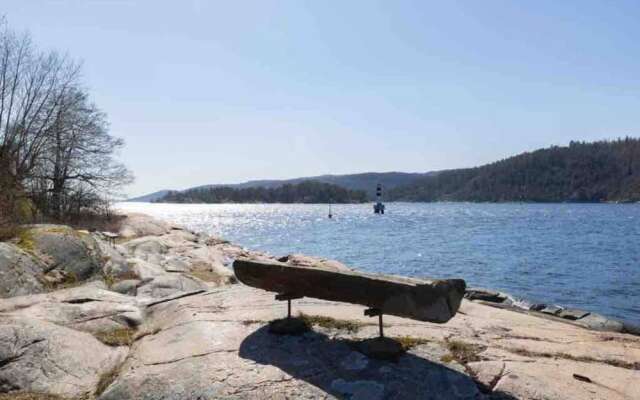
column 64, row 249
column 167, row 285
column 178, row 252
column 599, row 322
column 214, row 343
column 85, row 308
column 20, row 273
column 115, row 260
column 127, row 286
column 136, row 225
column 205, row 348
column 42, row 357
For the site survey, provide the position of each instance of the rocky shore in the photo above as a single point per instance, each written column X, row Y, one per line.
column 159, row 315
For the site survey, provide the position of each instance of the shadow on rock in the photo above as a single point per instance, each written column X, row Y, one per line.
column 334, row 366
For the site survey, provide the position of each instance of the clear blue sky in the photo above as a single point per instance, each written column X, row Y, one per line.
column 214, row 92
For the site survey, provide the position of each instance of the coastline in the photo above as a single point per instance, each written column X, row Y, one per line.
column 171, row 323
column 504, row 300
column 516, row 272
column 501, row 299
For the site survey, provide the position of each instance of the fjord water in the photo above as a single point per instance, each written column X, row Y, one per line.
column 579, row 255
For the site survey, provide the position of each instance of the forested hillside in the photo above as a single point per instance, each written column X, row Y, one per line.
column 580, row 172
column 304, row 192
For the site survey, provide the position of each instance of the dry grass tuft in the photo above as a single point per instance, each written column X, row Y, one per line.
column 110, row 279
column 351, row 326
column 208, row 276
column 248, row 322
column 462, row 352
column 60, row 229
column 66, row 280
column 409, row 342
column 565, row 356
column 70, row 280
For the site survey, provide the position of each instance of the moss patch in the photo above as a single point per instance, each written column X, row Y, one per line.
column 462, row 352
column 25, row 240
column 351, row 326
column 117, row 337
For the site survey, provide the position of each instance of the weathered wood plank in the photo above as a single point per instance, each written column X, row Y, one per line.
column 423, row 300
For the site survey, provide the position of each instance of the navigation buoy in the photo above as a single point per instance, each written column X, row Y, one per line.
column 330, row 214
column 378, row 208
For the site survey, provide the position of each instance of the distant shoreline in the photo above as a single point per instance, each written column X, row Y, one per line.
column 402, row 202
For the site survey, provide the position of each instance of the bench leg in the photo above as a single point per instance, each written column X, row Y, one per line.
column 289, row 325
column 372, row 312
column 288, row 297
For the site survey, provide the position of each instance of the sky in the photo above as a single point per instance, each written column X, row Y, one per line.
column 227, row 91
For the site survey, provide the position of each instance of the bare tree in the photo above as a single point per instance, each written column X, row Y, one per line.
column 55, row 145
column 79, row 162
column 32, row 85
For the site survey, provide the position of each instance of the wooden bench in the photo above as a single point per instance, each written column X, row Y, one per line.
column 420, row 299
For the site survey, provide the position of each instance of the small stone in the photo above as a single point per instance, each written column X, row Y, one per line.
column 127, row 286
column 633, row 329
column 551, row 310
column 485, row 295
column 288, row 326
column 381, row 348
column 572, row 314
column 599, row 322
column 537, row 307
column 174, row 264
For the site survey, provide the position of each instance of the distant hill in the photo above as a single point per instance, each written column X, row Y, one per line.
column 580, row 172
column 365, row 181
column 147, row 198
column 303, row 192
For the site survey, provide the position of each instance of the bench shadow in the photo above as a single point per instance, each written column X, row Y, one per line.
column 335, row 367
